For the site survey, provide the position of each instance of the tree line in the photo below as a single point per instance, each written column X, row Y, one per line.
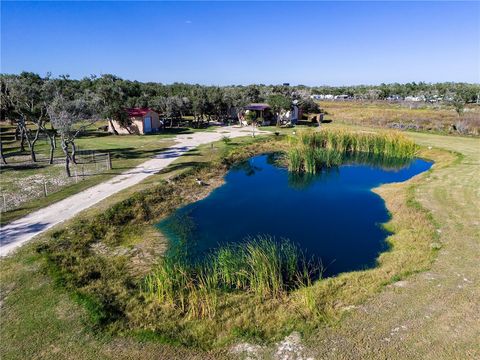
column 449, row 91
column 61, row 107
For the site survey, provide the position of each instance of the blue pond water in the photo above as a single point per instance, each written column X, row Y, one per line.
column 333, row 215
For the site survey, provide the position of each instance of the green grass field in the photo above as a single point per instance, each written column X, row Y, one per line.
column 399, row 318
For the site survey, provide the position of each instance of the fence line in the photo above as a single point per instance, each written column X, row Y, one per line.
column 89, row 162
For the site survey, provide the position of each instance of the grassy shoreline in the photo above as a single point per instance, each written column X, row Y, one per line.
column 314, row 304
column 398, row 202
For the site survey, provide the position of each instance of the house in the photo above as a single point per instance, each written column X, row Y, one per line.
column 261, row 110
column 142, row 121
column 264, row 111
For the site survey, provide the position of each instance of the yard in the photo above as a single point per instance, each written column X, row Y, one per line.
column 28, row 186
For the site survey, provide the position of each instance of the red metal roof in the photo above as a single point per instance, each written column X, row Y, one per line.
column 137, row 112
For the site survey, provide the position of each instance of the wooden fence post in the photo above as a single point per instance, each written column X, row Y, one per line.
column 45, row 188
column 109, row 161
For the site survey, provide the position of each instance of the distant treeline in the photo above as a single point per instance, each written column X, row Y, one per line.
column 32, row 102
column 178, row 99
column 449, row 91
column 172, row 101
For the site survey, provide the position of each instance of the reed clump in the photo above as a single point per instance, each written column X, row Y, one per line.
column 312, row 150
column 262, row 266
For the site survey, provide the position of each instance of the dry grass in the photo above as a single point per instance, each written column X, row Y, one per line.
column 412, row 248
column 437, row 118
column 427, row 315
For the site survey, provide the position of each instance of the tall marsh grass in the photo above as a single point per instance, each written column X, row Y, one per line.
column 313, row 150
column 262, row 266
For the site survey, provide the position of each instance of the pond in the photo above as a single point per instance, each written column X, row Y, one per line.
column 332, row 215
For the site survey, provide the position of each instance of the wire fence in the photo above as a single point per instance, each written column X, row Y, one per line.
column 48, row 179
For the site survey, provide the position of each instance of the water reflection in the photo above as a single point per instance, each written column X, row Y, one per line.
column 332, row 215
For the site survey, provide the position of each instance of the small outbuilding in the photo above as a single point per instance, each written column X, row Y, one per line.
column 261, row 109
column 142, row 121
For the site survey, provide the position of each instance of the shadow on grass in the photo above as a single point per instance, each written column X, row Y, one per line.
column 21, row 166
column 135, row 153
column 182, row 166
column 167, row 131
column 307, row 123
column 94, row 134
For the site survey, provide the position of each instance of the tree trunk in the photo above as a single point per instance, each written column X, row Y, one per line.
column 74, row 150
column 239, row 117
column 2, row 155
column 31, row 142
column 67, row 165
column 54, row 135
column 67, row 157
column 22, row 141
column 52, row 142
column 52, row 148
column 32, row 154
column 115, row 132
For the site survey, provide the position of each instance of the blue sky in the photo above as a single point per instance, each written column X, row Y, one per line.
column 311, row 43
